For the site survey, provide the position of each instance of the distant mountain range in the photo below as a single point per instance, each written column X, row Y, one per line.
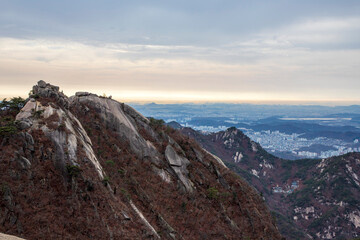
column 311, row 199
column 291, row 132
column 245, row 111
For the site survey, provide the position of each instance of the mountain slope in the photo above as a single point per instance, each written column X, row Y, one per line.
column 316, row 197
column 91, row 167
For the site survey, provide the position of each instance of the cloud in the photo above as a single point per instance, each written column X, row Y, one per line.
column 254, row 49
column 200, row 23
column 151, row 68
column 334, row 33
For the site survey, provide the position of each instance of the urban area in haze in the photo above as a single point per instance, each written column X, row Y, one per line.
column 287, row 131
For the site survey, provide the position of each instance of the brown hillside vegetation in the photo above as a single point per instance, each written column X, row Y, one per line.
column 326, row 201
column 89, row 167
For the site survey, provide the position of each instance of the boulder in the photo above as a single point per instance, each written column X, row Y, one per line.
column 81, row 94
column 47, row 90
column 174, row 159
column 42, row 84
column 23, row 124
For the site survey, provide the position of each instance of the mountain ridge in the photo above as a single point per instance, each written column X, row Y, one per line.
column 323, row 214
column 89, row 167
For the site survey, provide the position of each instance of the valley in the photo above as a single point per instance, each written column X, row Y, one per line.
column 311, row 198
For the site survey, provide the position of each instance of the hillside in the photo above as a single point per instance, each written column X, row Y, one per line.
column 317, row 199
column 89, row 167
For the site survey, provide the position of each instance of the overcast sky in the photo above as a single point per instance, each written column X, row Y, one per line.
column 184, row 50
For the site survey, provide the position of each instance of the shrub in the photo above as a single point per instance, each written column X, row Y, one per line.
column 7, row 130
column 169, row 130
column 89, row 186
column 110, row 162
column 156, row 123
column 38, row 113
column 122, row 172
column 73, row 170
column 7, row 122
column 15, row 104
column 7, row 119
column 183, row 206
column 100, row 152
column 212, row 193
column 106, row 180
column 224, row 195
column 125, row 193
column 35, row 96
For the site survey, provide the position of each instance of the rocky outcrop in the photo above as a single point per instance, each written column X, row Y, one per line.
column 59, row 125
column 179, row 165
column 121, row 119
column 89, row 167
column 46, row 90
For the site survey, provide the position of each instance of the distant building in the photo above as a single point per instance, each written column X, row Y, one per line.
column 277, row 189
column 287, row 189
column 294, row 185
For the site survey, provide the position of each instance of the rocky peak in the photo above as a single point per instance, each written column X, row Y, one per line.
column 233, row 130
column 46, row 90
column 89, row 167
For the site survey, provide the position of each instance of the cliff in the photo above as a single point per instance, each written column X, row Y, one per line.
column 89, row 167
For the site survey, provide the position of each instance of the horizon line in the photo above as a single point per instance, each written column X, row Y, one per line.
column 292, row 102
column 256, row 102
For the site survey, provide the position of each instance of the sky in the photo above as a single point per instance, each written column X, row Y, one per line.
column 184, row 51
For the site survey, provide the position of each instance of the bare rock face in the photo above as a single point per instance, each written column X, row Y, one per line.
column 59, row 125
column 127, row 122
column 179, row 165
column 122, row 119
column 174, row 159
column 9, row 237
column 89, row 167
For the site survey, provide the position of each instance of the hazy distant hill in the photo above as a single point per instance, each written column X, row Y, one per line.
column 247, row 111
column 284, row 130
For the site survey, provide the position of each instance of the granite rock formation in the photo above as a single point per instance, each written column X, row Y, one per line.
column 89, row 167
